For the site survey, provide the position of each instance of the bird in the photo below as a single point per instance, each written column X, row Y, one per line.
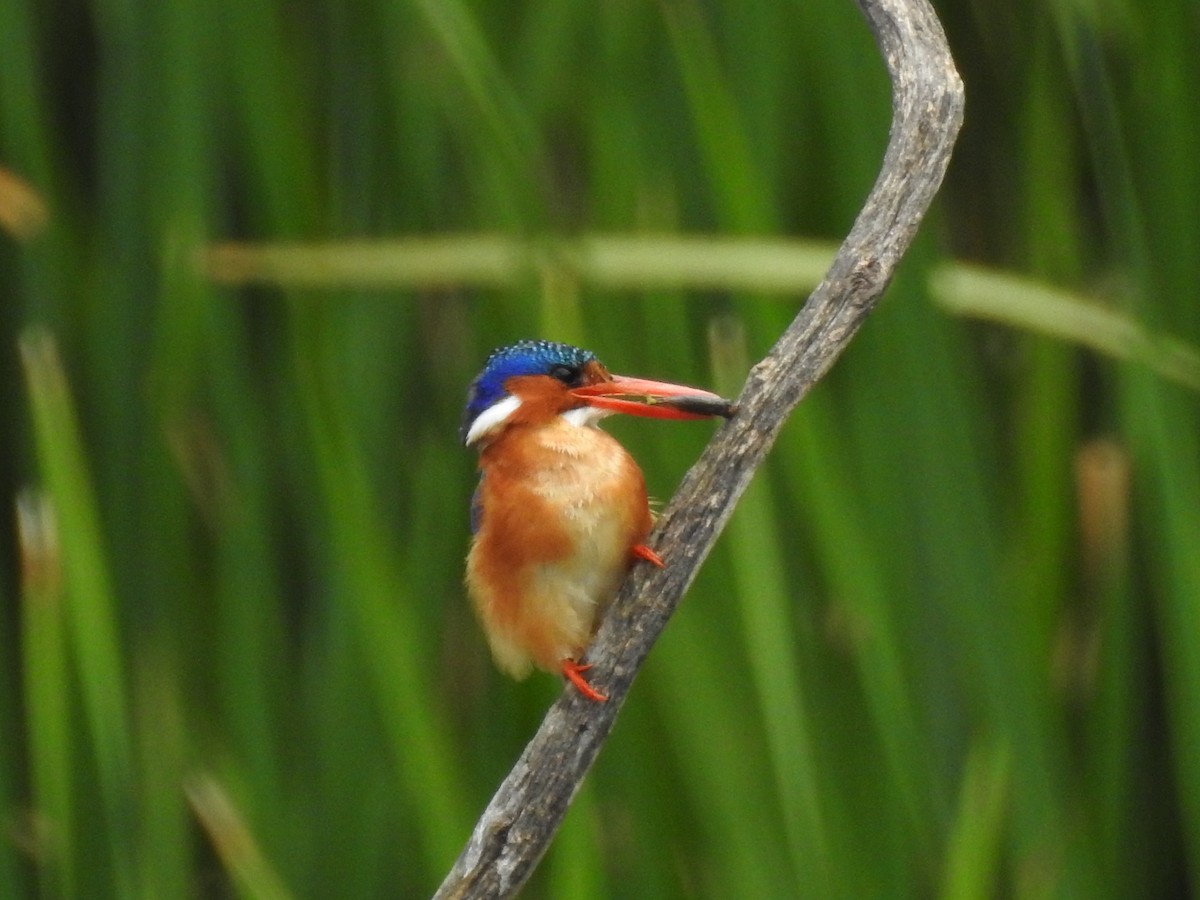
column 560, row 513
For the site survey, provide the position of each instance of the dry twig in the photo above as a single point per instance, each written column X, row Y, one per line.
column 927, row 102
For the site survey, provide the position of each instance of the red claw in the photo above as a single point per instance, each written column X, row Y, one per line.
column 573, row 672
column 643, row 552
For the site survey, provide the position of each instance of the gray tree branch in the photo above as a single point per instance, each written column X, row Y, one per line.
column 927, row 104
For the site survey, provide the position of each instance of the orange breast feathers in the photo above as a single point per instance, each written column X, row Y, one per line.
column 562, row 506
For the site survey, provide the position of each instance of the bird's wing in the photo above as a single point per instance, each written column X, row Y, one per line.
column 477, row 507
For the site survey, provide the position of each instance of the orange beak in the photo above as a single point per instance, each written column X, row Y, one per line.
column 653, row 399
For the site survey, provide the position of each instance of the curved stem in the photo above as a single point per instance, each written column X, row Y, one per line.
column 927, row 103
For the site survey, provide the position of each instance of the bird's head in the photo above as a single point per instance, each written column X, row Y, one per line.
column 534, row 381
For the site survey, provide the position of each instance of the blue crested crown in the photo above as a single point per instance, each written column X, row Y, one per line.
column 524, row 358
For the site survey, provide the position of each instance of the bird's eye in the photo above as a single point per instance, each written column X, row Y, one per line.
column 569, row 375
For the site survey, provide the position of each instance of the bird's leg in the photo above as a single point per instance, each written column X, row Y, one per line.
column 573, row 672
column 643, row 552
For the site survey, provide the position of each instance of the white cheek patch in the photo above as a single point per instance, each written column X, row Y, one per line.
column 585, row 415
column 491, row 418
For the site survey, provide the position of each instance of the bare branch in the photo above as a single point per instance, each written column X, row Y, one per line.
column 927, row 103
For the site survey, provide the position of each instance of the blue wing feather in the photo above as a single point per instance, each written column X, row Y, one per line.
column 477, row 507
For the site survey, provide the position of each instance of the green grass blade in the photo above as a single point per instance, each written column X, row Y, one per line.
column 91, row 607
column 52, row 745
column 768, row 611
column 236, row 845
column 977, row 836
column 1022, row 303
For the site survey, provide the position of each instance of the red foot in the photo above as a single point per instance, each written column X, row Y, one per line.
column 643, row 552
column 574, row 674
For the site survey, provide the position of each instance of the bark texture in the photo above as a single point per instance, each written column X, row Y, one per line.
column 927, row 106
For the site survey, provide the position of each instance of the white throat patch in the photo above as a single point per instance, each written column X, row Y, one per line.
column 500, row 411
column 585, row 415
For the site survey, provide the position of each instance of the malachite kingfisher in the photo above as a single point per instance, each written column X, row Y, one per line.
column 560, row 513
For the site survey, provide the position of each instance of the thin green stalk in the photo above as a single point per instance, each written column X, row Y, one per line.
column 51, row 742
column 91, row 606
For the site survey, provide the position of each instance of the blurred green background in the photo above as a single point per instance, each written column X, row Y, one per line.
column 950, row 643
